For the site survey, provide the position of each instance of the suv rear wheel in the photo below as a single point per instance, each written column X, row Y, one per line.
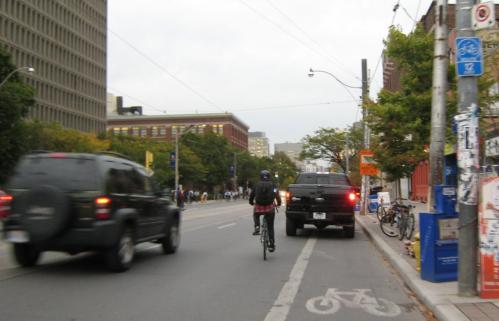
column 172, row 239
column 119, row 258
column 26, row 254
column 290, row 227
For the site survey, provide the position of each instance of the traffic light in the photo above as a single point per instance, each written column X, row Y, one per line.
column 149, row 159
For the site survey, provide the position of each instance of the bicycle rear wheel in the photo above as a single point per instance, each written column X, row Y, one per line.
column 388, row 225
column 402, row 226
column 409, row 225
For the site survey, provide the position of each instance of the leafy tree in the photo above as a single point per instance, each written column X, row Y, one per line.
column 329, row 144
column 284, row 167
column 16, row 98
column 401, row 121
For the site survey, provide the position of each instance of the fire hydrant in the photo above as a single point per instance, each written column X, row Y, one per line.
column 416, row 246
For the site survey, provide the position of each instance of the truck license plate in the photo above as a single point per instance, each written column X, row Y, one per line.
column 319, row 216
column 17, row 236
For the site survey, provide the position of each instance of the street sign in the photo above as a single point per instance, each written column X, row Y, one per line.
column 367, row 163
column 469, row 58
column 483, row 16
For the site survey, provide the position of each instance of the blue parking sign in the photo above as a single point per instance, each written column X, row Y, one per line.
column 469, row 58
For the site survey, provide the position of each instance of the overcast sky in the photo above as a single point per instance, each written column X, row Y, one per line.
column 251, row 58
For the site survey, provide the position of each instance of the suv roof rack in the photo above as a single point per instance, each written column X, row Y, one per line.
column 110, row 153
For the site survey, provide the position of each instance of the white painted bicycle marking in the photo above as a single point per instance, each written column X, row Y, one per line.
column 331, row 302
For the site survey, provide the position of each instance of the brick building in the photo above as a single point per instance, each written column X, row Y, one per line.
column 165, row 127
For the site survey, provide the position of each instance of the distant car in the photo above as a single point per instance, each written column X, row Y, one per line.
column 86, row 202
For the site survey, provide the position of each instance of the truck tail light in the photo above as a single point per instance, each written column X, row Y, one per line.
column 5, row 201
column 289, row 195
column 102, row 208
column 352, row 197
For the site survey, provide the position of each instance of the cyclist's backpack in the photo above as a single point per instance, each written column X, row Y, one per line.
column 264, row 193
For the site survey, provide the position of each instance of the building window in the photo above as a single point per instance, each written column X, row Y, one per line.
column 220, row 129
column 135, row 131
column 124, row 131
column 174, row 130
column 116, row 131
column 162, row 131
column 143, row 132
column 201, row 129
column 154, row 131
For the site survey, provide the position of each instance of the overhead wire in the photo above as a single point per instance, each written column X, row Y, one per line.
column 159, row 66
column 307, row 35
column 292, row 106
column 279, row 27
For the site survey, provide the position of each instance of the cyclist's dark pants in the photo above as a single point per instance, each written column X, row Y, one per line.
column 270, row 223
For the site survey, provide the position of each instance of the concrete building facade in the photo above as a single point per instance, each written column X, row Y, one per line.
column 258, row 144
column 292, row 150
column 166, row 127
column 65, row 42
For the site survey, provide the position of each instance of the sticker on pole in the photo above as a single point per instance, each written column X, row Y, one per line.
column 483, row 16
column 469, row 58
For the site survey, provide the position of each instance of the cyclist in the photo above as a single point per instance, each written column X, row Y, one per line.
column 262, row 197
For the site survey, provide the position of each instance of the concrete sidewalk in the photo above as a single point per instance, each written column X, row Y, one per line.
column 441, row 297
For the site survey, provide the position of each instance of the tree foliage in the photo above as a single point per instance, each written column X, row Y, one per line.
column 401, row 121
column 329, row 144
column 16, row 98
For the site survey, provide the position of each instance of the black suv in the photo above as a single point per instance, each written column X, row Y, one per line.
column 86, row 202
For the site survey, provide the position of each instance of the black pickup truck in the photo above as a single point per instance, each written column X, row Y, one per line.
column 321, row 199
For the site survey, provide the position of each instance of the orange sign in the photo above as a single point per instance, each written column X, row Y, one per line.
column 367, row 163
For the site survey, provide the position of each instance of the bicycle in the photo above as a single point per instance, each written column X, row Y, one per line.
column 390, row 221
column 264, row 235
column 407, row 222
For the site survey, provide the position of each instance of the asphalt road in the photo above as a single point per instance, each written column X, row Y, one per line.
column 218, row 274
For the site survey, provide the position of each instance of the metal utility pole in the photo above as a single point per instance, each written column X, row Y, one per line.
column 438, row 101
column 347, row 154
column 467, row 153
column 365, row 95
column 176, row 160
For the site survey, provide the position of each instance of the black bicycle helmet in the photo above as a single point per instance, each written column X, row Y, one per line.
column 265, row 174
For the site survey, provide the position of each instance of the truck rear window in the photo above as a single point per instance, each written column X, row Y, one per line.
column 68, row 174
column 322, row 179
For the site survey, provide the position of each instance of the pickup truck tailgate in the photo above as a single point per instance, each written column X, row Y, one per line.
column 319, row 198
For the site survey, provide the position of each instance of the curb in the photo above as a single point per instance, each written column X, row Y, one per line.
column 442, row 308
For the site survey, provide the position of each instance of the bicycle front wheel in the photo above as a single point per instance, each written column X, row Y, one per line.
column 388, row 225
column 265, row 242
column 380, row 212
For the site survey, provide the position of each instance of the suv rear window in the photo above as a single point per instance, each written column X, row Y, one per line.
column 322, row 179
column 68, row 174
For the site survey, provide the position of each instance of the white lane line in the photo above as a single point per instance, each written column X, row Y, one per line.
column 226, row 225
column 282, row 304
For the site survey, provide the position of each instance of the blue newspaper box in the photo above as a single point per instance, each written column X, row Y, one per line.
column 439, row 232
column 445, row 199
column 373, row 203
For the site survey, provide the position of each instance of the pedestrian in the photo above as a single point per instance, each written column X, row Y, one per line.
column 180, row 197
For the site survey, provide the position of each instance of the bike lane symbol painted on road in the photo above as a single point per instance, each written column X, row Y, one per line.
column 331, row 302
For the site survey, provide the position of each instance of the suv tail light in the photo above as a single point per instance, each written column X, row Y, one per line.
column 352, row 197
column 5, row 201
column 102, row 208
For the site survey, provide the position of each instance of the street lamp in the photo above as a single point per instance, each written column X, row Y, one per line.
column 28, row 69
column 312, row 73
column 177, row 134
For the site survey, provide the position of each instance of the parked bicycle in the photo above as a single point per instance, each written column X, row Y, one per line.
column 390, row 220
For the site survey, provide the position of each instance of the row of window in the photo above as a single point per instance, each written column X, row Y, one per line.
column 91, row 65
column 48, row 113
column 75, row 14
column 160, row 131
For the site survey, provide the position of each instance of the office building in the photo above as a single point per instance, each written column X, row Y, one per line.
column 258, row 144
column 65, row 42
column 292, row 150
